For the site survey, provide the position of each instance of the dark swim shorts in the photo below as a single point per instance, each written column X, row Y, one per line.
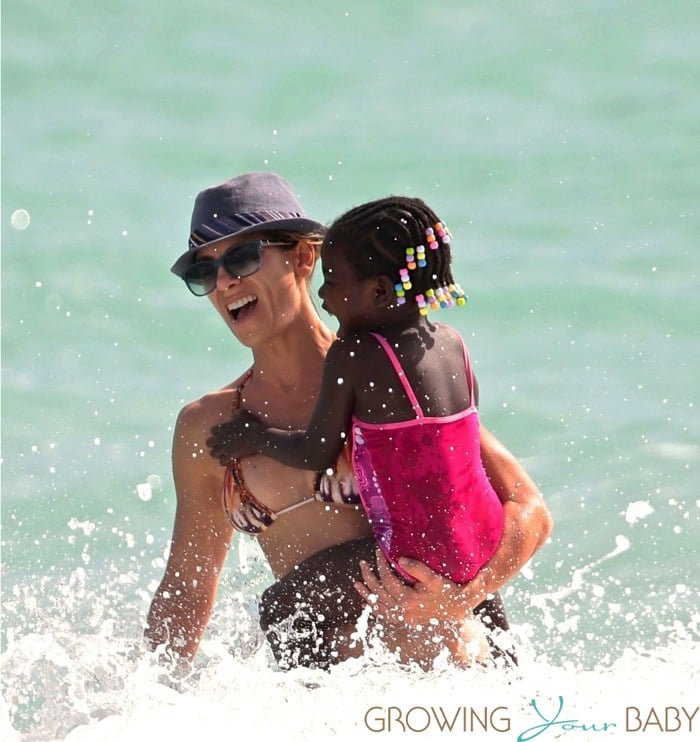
column 301, row 612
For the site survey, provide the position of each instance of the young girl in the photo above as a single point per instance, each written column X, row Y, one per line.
column 401, row 386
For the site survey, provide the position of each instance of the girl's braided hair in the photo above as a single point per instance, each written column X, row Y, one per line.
column 375, row 236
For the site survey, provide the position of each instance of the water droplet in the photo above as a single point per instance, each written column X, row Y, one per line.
column 20, row 219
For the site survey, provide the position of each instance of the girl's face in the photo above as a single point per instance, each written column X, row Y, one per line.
column 350, row 299
column 259, row 305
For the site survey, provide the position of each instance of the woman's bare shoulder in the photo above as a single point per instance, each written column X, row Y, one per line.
column 212, row 408
column 195, row 470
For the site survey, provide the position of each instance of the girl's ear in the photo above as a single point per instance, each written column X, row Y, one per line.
column 306, row 258
column 385, row 295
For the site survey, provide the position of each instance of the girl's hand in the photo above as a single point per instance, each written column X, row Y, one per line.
column 233, row 439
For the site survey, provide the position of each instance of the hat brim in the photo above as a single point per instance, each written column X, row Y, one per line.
column 295, row 224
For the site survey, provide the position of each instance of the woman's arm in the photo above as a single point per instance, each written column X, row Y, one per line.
column 183, row 602
column 527, row 526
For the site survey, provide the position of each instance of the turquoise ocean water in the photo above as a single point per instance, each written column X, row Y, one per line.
column 559, row 141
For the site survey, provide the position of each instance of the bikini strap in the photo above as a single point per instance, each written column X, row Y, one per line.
column 236, row 402
column 263, row 515
column 400, row 373
column 233, row 476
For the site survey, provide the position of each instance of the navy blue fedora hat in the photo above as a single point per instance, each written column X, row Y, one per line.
column 253, row 202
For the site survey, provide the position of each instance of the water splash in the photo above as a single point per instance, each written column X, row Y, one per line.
column 74, row 669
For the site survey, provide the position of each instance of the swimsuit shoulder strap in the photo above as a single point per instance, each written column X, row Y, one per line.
column 257, row 515
column 234, row 474
column 400, row 373
column 236, row 401
column 470, row 373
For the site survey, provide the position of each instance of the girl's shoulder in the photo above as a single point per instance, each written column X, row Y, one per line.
column 448, row 335
column 357, row 353
column 444, row 330
column 353, row 343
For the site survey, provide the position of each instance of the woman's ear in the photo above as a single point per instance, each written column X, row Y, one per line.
column 306, row 258
column 385, row 295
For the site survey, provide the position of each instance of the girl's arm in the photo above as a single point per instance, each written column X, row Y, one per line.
column 315, row 448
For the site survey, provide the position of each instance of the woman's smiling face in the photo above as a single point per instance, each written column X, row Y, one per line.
column 254, row 306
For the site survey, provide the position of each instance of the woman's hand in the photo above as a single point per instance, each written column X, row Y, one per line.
column 430, row 600
column 233, row 439
column 527, row 526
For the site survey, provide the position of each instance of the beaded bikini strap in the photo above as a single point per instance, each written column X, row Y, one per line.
column 233, row 480
column 236, row 403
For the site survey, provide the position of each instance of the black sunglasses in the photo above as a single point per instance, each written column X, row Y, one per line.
column 238, row 261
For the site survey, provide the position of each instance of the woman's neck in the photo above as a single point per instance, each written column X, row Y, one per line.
column 295, row 357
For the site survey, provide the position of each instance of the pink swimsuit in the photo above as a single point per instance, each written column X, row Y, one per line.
column 424, row 487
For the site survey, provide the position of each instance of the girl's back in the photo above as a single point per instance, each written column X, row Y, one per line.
column 432, row 358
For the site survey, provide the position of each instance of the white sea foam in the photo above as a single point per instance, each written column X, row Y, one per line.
column 74, row 667
column 100, row 694
column 82, row 677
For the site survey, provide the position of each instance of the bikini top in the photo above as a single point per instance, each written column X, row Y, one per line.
column 248, row 515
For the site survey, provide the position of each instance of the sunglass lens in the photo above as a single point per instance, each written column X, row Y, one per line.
column 201, row 278
column 243, row 260
column 239, row 261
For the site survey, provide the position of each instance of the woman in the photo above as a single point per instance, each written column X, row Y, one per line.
column 252, row 251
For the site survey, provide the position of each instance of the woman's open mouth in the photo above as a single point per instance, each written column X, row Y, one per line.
column 241, row 306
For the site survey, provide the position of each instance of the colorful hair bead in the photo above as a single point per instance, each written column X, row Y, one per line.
column 422, row 306
column 410, row 258
column 405, row 280
column 433, row 303
column 420, row 256
column 431, row 239
column 443, row 297
column 458, row 293
column 443, row 233
column 400, row 293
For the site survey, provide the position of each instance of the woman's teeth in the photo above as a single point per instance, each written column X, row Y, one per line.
column 235, row 306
